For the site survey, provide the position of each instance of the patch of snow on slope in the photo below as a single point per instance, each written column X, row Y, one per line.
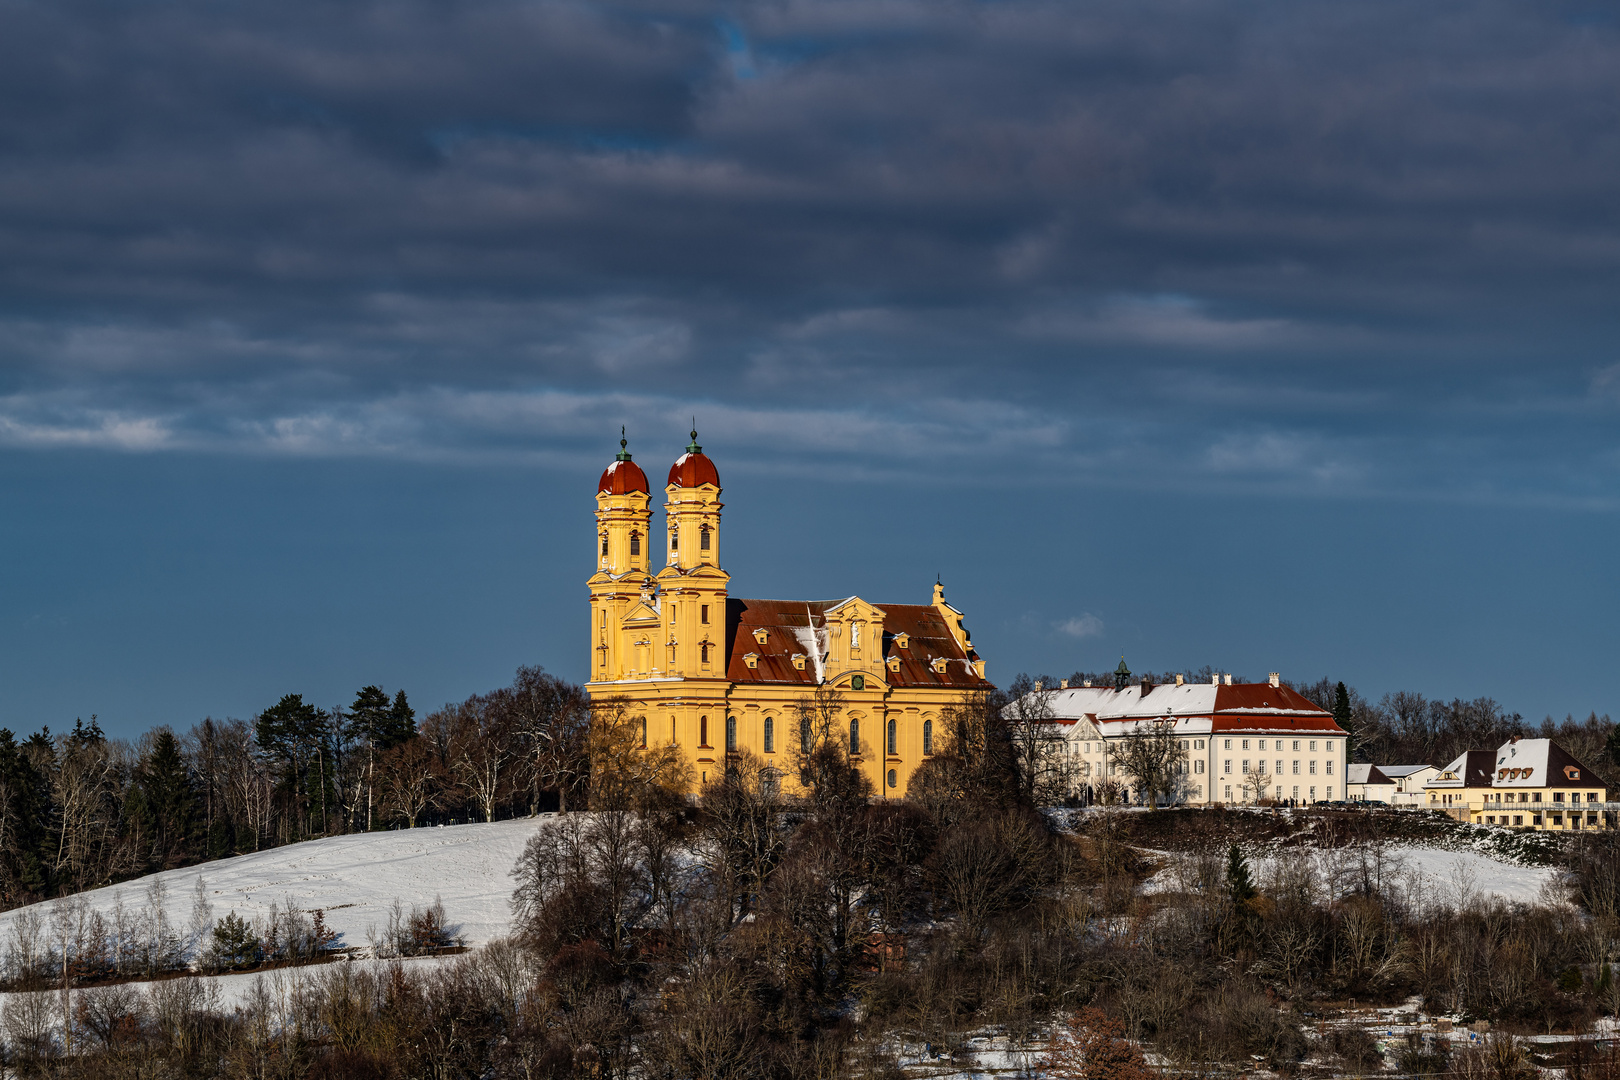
column 355, row 879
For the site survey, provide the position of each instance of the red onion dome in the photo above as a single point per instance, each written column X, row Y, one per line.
column 623, row 476
column 693, row 469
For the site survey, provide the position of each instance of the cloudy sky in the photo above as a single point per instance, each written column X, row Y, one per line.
column 1263, row 335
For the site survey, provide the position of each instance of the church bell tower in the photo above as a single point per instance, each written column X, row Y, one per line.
column 623, row 542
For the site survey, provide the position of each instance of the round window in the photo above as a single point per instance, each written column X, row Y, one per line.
column 858, row 682
column 894, row 778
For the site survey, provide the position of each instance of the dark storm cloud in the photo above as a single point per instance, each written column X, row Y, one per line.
column 1308, row 245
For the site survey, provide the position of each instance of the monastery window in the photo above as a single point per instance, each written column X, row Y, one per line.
column 1228, row 765
column 1278, row 769
column 770, row 734
column 894, row 778
column 1313, row 768
column 1313, row 794
column 703, row 538
column 894, row 746
column 1245, row 744
column 1228, row 745
column 1313, row 746
column 703, row 614
column 1330, row 766
column 1198, row 766
column 1296, row 744
column 1328, row 745
column 703, row 732
column 928, row 737
column 1245, row 764
column 804, row 736
column 731, row 734
column 1330, row 793
column 635, row 543
column 1296, row 766
column 854, row 736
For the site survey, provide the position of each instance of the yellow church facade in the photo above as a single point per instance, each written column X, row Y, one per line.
column 718, row 675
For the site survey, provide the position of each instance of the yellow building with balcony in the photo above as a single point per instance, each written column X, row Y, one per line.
column 1524, row 784
column 715, row 674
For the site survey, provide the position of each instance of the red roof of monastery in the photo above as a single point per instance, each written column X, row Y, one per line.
column 621, row 478
column 798, row 628
column 693, row 469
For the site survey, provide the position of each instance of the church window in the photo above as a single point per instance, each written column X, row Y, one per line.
column 804, row 735
column 604, row 545
column 703, row 538
column 928, row 736
column 894, row 779
column 703, row 652
column 894, row 747
column 635, row 543
column 674, row 539
column 705, row 614
column 770, row 783
column 770, row 734
column 644, row 733
column 703, row 732
column 854, row 736
column 731, row 734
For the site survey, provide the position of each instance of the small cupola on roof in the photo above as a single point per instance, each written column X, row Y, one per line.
column 693, row 469
column 623, row 476
column 1122, row 675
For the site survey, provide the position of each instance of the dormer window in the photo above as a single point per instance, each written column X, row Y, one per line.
column 798, row 661
column 761, row 636
column 938, row 665
column 703, row 538
column 894, row 663
column 902, row 641
column 751, row 659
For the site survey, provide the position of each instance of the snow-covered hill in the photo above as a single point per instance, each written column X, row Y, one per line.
column 353, row 879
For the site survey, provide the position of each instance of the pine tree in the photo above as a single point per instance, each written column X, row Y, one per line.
column 295, row 733
column 1238, row 882
column 1343, row 717
column 170, row 799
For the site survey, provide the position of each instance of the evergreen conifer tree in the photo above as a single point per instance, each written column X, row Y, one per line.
column 1344, row 718
column 1238, row 882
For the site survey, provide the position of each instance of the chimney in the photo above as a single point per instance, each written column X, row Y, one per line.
column 1147, row 687
column 1214, row 680
column 1086, row 683
column 1229, row 679
column 1063, row 684
column 1275, row 678
column 1178, row 680
column 1038, row 686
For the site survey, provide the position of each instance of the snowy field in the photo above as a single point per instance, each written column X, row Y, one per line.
column 353, row 879
column 1422, row 875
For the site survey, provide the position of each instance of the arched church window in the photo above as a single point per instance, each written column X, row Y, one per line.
column 893, row 743
column 804, row 735
column 703, row 649
column 928, row 736
column 770, row 734
column 635, row 543
column 674, row 539
column 854, row 736
column 703, row 732
column 731, row 734
column 644, row 733
column 703, row 538
column 604, row 545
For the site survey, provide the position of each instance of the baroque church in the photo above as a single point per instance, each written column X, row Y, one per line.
column 715, row 674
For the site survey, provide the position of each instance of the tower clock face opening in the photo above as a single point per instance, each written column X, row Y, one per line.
column 857, row 682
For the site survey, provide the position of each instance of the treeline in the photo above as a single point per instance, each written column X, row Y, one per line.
column 79, row 810
column 1406, row 728
column 835, row 935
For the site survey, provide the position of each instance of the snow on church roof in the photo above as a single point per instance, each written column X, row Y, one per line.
column 1243, row 707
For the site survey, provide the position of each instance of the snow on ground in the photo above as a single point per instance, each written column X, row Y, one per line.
column 1421, row 874
column 354, row 879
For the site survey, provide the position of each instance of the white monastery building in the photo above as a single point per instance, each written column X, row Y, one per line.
column 1244, row 742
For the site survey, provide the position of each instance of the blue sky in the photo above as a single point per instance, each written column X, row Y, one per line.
column 1210, row 333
